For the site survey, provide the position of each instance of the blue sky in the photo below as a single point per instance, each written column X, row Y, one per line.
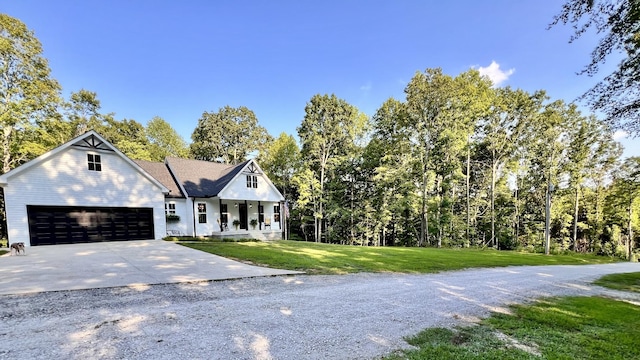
column 177, row 59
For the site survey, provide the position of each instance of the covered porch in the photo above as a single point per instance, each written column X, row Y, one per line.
column 235, row 218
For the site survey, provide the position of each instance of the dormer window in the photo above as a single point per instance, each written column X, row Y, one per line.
column 94, row 162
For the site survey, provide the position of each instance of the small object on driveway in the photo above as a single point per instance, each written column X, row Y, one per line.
column 17, row 247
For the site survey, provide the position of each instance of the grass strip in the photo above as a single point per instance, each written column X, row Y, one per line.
column 553, row 328
column 624, row 281
column 317, row 258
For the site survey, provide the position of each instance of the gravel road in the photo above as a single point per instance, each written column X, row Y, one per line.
column 361, row 316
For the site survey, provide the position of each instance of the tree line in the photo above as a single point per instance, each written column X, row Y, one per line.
column 457, row 162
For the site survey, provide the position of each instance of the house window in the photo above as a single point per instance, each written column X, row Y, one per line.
column 252, row 181
column 202, row 213
column 224, row 214
column 169, row 209
column 276, row 213
column 94, row 163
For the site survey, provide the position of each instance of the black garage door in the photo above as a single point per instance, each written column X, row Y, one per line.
column 50, row 225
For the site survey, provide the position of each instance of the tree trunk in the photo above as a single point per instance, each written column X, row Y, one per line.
column 575, row 221
column 6, row 149
column 547, row 223
column 630, row 241
column 439, row 211
column 493, row 240
column 468, row 194
column 351, row 214
column 424, row 219
column 517, row 214
column 320, row 215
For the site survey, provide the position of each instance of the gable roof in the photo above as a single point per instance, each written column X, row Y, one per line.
column 88, row 140
column 161, row 172
column 203, row 178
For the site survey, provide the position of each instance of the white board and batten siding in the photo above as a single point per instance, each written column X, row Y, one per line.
column 237, row 189
column 63, row 179
column 186, row 217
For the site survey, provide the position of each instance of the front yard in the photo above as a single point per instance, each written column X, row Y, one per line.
column 315, row 258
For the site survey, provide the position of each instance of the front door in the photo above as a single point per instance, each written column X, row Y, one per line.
column 242, row 208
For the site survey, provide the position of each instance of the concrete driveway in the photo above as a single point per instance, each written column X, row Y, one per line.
column 116, row 264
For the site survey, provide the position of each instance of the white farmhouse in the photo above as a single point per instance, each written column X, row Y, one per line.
column 88, row 191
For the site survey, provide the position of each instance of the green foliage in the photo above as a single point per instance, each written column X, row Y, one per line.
column 164, row 140
column 317, row 258
column 228, row 136
column 127, row 135
column 280, row 161
column 619, row 24
column 28, row 92
column 83, row 112
column 555, row 328
column 328, row 133
column 172, row 217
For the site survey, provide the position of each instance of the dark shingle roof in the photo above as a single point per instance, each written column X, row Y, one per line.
column 203, row 178
column 161, row 173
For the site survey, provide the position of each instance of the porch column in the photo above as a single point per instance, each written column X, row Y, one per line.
column 220, row 213
column 260, row 222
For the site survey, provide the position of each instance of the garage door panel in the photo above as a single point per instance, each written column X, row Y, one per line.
column 63, row 225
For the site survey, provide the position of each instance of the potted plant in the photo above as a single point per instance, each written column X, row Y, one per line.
column 254, row 223
column 236, row 223
column 173, row 218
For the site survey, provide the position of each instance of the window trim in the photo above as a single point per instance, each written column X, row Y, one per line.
column 276, row 213
column 94, row 162
column 224, row 213
column 202, row 213
column 252, row 181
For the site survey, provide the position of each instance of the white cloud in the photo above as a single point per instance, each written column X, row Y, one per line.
column 620, row 134
column 495, row 74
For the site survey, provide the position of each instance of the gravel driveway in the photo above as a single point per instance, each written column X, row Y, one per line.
column 362, row 316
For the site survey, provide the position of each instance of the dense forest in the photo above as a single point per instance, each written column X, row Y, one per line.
column 456, row 163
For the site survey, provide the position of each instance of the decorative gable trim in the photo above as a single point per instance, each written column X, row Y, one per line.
column 92, row 142
column 252, row 168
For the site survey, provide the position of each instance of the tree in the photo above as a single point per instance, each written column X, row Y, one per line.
column 627, row 193
column 502, row 133
column 389, row 153
column 281, row 161
column 441, row 116
column 228, row 136
column 616, row 95
column 83, row 111
column 126, row 135
column 164, row 140
column 328, row 131
column 428, row 97
column 27, row 91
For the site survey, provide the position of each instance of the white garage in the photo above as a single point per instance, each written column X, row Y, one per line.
column 83, row 191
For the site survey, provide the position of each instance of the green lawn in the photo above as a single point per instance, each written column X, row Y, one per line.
column 316, row 258
column 625, row 282
column 555, row 328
